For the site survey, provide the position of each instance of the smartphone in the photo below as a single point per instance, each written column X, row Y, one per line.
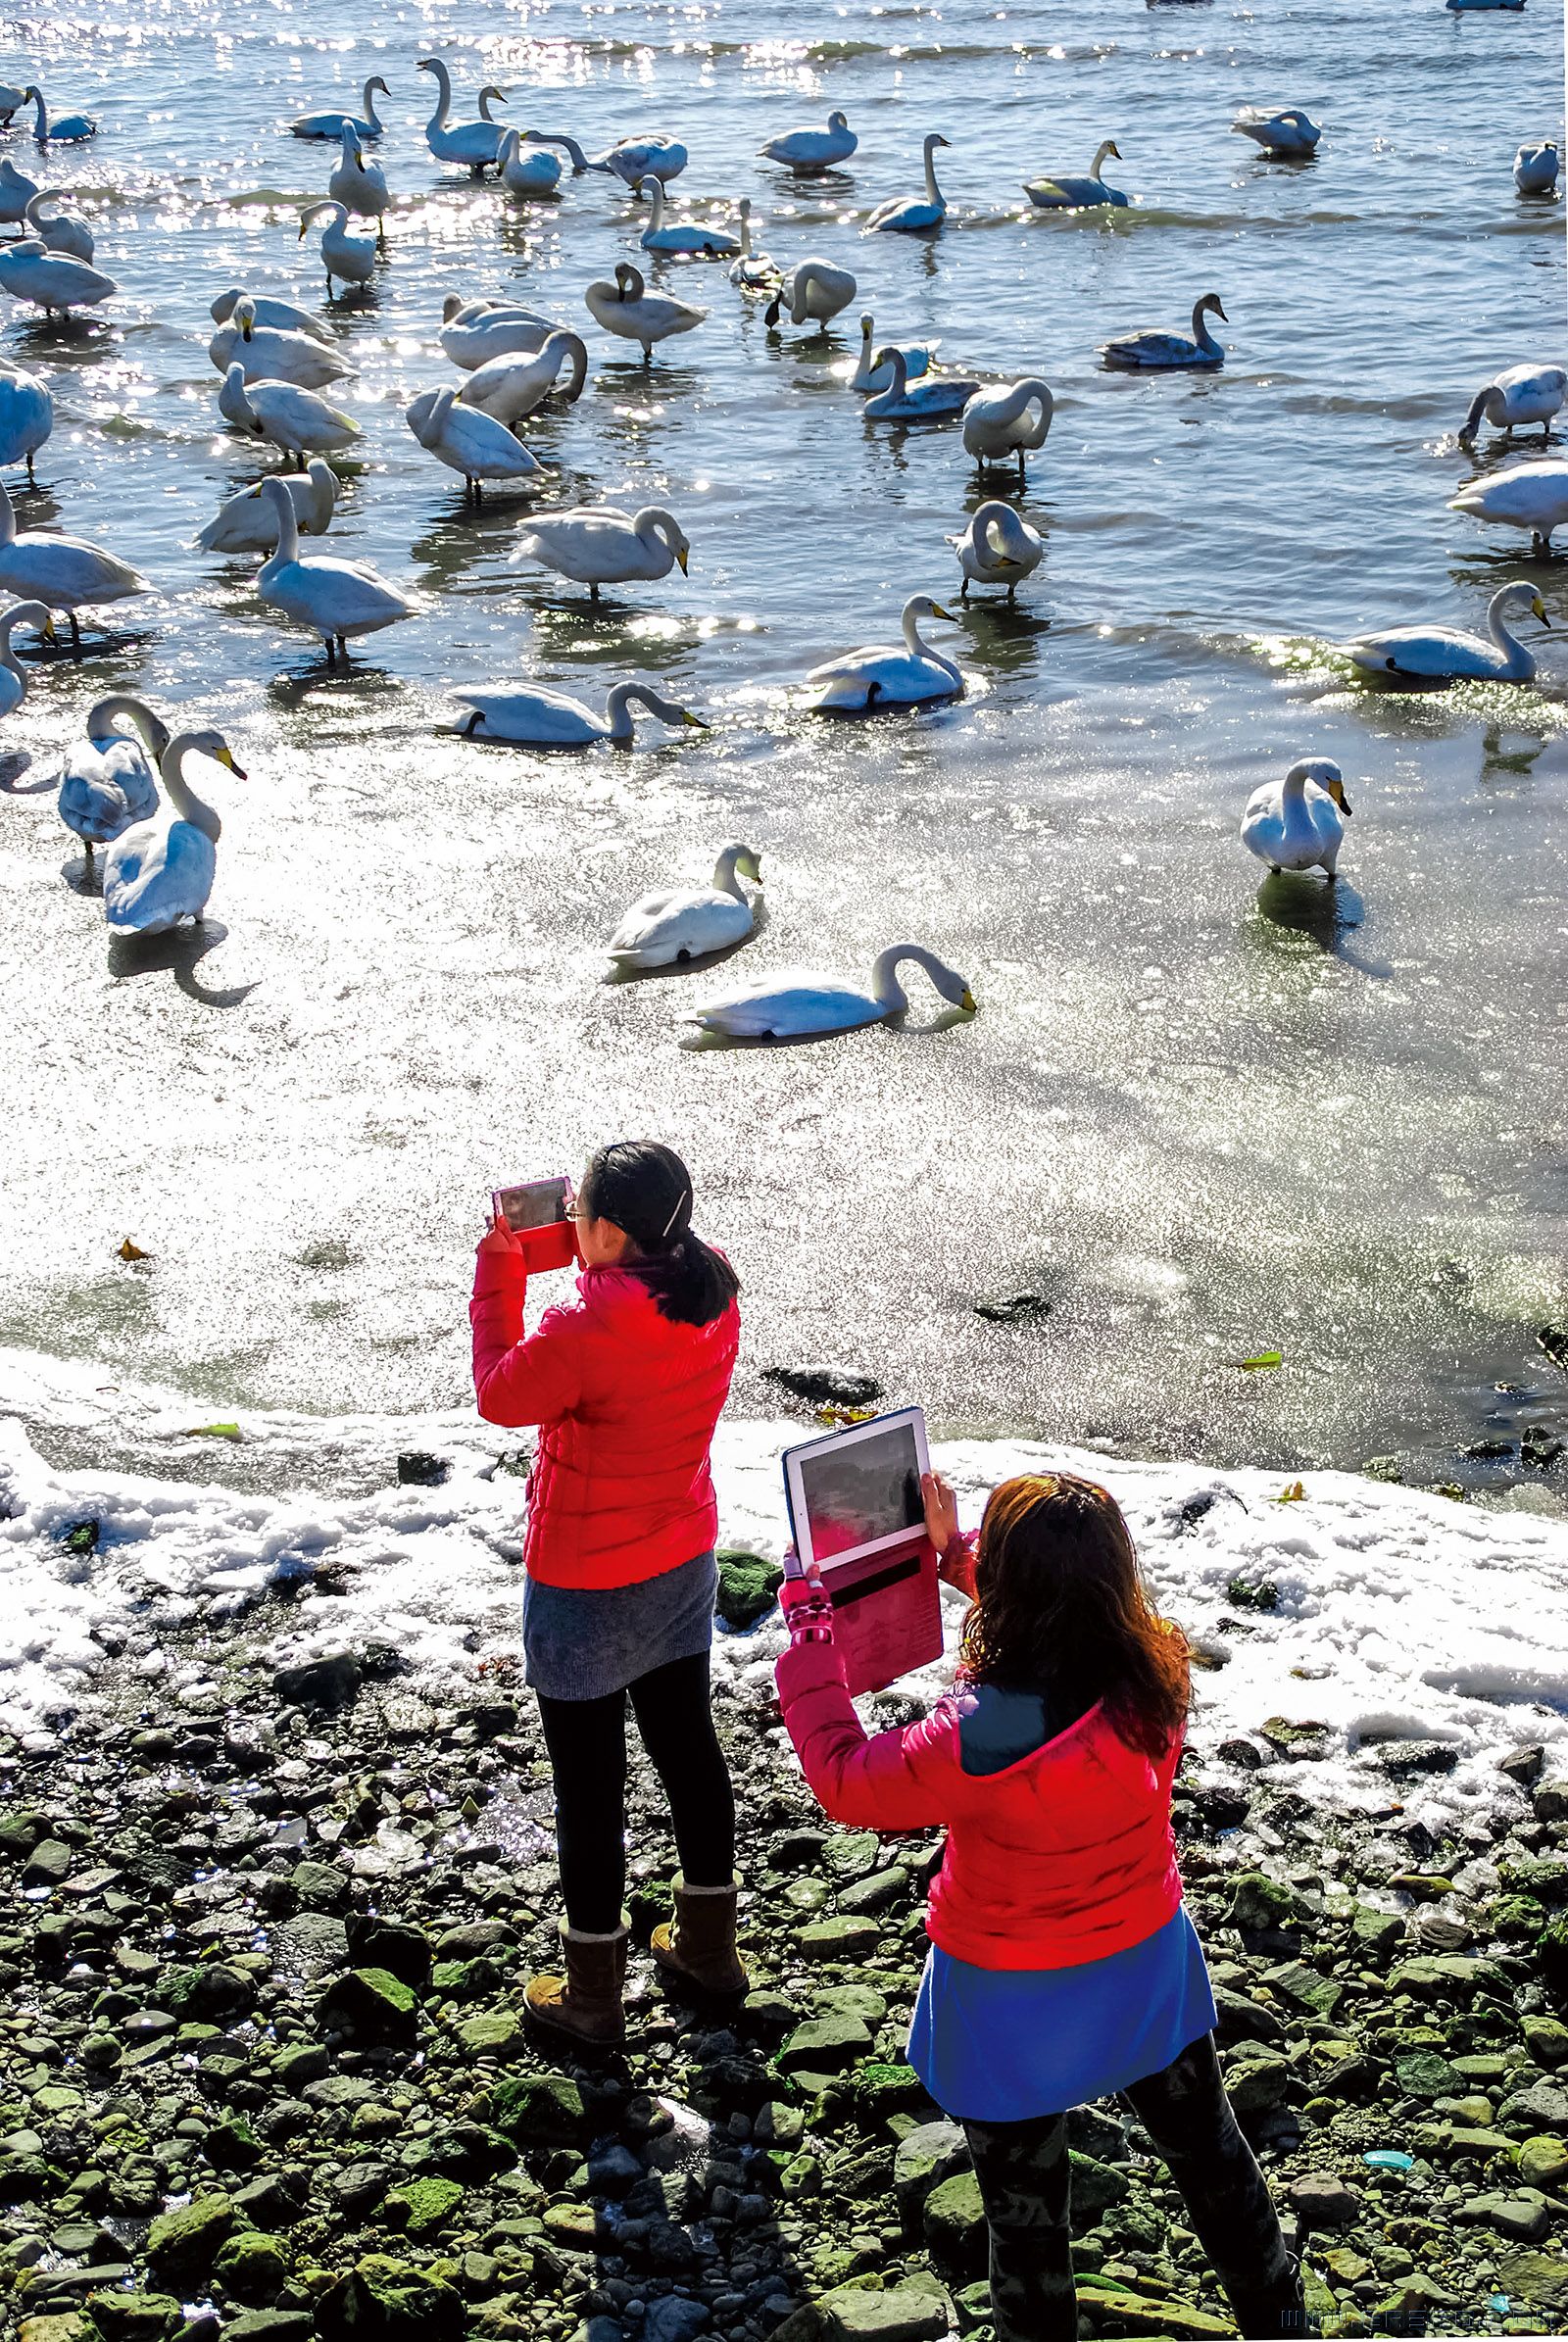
column 532, row 1203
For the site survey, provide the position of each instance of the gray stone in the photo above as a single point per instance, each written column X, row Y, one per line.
column 923, row 2160
column 1321, row 2200
column 918, row 2310
column 1543, row 2107
column 955, row 2222
column 825, row 2044
column 673, row 2319
column 1521, row 2213
column 328, row 1683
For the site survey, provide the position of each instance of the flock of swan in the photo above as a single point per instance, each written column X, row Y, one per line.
column 125, row 789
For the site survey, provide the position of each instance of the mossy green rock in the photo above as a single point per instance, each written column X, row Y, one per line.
column 494, row 2032
column 136, row 2317
column 1258, row 1901
column 371, row 2004
column 1544, row 2163
column 182, row 2245
column 386, row 2298
column 252, row 2268
column 424, row 2205
column 917, row 2310
column 839, row 1940
column 747, row 1586
column 540, row 2110
column 955, row 2222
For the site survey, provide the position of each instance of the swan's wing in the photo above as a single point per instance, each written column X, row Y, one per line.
column 88, row 804
column 544, row 716
column 1152, row 349
column 343, row 594
column 156, row 876
column 690, row 919
column 795, row 1000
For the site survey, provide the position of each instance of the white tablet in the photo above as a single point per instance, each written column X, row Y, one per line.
column 857, row 1491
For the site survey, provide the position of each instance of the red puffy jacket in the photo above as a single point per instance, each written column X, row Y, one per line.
column 627, row 1400
column 1063, row 1857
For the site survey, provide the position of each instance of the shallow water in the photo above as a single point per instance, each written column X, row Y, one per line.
column 1203, row 1120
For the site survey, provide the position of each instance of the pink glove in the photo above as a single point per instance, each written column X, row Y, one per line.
column 807, row 1612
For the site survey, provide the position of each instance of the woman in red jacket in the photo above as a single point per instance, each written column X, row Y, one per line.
column 1063, row 1966
column 626, row 1384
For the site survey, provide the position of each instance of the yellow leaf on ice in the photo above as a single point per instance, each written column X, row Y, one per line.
column 1293, row 1494
column 130, row 1251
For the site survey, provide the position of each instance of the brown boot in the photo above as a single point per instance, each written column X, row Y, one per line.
column 585, row 2003
column 697, row 1945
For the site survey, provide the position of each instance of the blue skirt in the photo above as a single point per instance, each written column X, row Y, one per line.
column 1007, row 2044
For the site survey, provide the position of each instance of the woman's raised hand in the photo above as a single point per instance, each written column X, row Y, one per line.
column 941, row 1510
column 499, row 1237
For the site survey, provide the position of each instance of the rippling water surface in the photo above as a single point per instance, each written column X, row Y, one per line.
column 1199, row 1120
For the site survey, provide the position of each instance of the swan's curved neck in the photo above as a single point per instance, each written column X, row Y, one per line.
column 124, row 708
column 1486, row 402
column 7, row 519
column 656, row 215
column 288, row 526
column 579, row 160
column 443, row 104
column 181, row 796
column 41, row 115
column 725, row 881
column 1100, row 151
column 898, row 367
column 746, row 229
column 1200, row 333
column 933, row 193
column 8, row 658
column 918, row 647
column 1499, row 631
column 367, row 101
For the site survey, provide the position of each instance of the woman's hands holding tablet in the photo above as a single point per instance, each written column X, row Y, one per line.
column 499, row 1237
column 807, row 1612
column 941, row 1510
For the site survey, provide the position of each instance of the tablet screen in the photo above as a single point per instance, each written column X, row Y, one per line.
column 862, row 1489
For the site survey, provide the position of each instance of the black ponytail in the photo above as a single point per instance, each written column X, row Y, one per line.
column 647, row 1189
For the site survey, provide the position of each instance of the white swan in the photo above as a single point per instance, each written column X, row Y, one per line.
column 597, row 545
column 799, row 1001
column 1532, row 496
column 59, row 230
column 335, row 599
column 364, row 124
column 51, row 280
column 298, row 422
column 350, row 259
column 274, row 353
column 1520, row 395
column 472, row 332
column 160, row 873
column 549, row 719
column 473, row 143
column 468, row 441
column 998, row 548
column 64, row 130
column 1068, row 194
column 679, row 923
column 1298, row 823
column 110, row 779
column 360, row 186
column 1447, row 652
column 628, row 308
column 268, row 309
column 912, row 215
column 17, row 191
column 753, row 272
column 813, row 292
column 536, row 173
column 1146, row 350
column 27, row 415
column 247, row 522
column 1535, row 169
column 64, row 572
column 1288, row 132
column 1009, row 420
column 807, row 150
column 510, row 387
column 635, row 160
column 13, row 674
column 932, row 400
column 682, row 235
column 868, row 375
column 888, row 675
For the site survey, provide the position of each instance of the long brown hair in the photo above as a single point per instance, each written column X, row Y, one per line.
column 1060, row 1605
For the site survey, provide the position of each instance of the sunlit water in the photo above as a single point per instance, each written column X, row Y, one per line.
column 1202, row 1121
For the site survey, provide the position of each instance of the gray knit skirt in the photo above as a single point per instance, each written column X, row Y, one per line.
column 583, row 1643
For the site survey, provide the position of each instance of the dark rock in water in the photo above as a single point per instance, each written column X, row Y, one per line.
column 371, row 2004
column 1554, row 1340
column 1525, row 1764
column 826, row 1385
column 417, row 1470
column 405, row 1951
column 1404, row 1758
column 1551, row 1800
column 491, row 1718
column 1222, row 1808
column 1383, row 1467
column 1015, row 1309
column 1542, row 1447
column 1489, row 1449
column 328, row 1683
column 386, row 2298
column 1253, row 1593
column 747, row 1586
column 1245, row 1753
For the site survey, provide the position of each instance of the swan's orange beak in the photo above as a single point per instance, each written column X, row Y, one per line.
column 226, row 756
column 683, row 558
column 969, row 1003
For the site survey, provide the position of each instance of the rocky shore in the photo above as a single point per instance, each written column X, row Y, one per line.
column 263, row 2074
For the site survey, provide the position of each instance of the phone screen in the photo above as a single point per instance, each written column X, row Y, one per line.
column 533, row 1203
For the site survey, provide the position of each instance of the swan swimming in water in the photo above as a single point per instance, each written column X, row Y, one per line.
column 549, row 719
column 799, row 1001
column 912, row 215
column 13, row 674
column 753, row 272
column 350, row 259
column 1067, row 194
column 337, row 599
column 1298, row 823
column 59, row 230
column 160, row 873
column 1143, row 351
column 27, row 415
column 998, row 548
column 678, row 923
column 472, row 332
column 684, row 236
column 512, row 386
column 62, row 129
column 274, row 353
column 813, row 292
column 475, row 144
column 807, row 150
column 597, row 545
column 1446, row 653
column 628, row 308
column 17, row 191
column 64, row 572
column 1522, row 394
column 51, row 280
column 468, row 441
column 268, row 309
column 868, row 375
column 534, row 173
column 109, row 780
column 298, row 422
column 934, row 400
column 635, row 160
column 1532, row 496
column 1535, row 169
column 1290, row 132
column 247, row 522
column 1011, row 421
column 888, row 675
column 360, row 186
column 364, row 124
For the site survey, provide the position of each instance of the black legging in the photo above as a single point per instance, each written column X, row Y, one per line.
column 1025, row 2184
column 587, row 1743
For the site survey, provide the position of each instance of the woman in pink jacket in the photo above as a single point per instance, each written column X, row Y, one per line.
column 1063, row 1966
